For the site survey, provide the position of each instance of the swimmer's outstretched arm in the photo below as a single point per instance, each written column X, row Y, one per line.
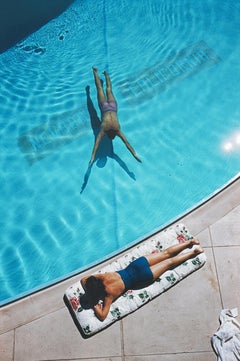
column 129, row 147
column 96, row 145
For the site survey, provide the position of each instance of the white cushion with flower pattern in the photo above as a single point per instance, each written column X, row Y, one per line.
column 85, row 319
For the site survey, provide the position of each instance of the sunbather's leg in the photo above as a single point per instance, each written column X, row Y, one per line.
column 154, row 258
column 170, row 263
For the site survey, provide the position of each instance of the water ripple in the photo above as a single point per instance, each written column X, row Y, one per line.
column 47, row 138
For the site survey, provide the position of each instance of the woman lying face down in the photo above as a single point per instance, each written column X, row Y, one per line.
column 101, row 290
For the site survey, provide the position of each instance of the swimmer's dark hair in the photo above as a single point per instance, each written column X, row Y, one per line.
column 95, row 290
column 111, row 133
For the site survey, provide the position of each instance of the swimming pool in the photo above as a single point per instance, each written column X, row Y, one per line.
column 175, row 72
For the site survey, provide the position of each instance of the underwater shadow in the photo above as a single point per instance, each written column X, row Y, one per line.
column 105, row 149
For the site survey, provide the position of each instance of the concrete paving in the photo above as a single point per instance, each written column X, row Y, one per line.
column 176, row 326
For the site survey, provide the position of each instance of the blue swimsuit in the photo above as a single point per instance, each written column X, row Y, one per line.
column 137, row 274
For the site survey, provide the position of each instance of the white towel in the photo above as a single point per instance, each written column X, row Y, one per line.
column 226, row 341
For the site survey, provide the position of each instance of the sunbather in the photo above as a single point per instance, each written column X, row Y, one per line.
column 103, row 289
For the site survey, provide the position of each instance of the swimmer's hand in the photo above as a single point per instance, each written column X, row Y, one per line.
column 128, row 145
column 138, row 159
column 92, row 158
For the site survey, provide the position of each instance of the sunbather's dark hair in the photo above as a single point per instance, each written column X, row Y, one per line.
column 95, row 290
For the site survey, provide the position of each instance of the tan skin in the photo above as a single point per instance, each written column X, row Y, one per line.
column 159, row 263
column 110, row 125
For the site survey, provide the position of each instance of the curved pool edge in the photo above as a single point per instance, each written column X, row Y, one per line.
column 50, row 299
column 114, row 254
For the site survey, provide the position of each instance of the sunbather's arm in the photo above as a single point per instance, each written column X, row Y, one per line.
column 129, row 147
column 83, row 281
column 101, row 310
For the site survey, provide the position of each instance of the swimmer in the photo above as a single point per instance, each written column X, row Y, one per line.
column 109, row 125
column 101, row 290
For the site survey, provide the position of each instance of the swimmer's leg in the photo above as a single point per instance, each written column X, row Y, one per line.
column 100, row 93
column 110, row 96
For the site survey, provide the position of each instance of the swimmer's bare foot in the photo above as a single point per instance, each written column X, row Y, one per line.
column 193, row 242
column 94, row 69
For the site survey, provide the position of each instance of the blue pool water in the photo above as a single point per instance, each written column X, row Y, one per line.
column 175, row 72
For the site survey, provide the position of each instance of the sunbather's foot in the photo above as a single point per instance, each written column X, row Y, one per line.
column 193, row 242
column 198, row 250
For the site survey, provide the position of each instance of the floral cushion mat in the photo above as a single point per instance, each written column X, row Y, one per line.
column 85, row 319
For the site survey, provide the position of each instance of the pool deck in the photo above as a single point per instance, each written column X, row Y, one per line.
column 176, row 326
